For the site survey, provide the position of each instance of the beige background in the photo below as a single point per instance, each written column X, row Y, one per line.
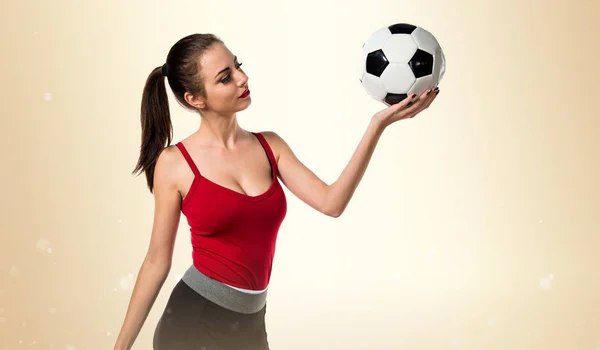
column 476, row 226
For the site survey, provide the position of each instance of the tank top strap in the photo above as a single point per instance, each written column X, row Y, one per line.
column 187, row 157
column 269, row 151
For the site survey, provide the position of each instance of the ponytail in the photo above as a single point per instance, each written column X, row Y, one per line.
column 157, row 130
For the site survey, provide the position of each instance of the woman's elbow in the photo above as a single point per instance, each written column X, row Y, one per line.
column 333, row 212
column 158, row 262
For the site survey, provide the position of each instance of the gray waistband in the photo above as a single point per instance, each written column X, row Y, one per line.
column 222, row 294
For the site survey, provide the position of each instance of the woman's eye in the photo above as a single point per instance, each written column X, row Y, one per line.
column 227, row 78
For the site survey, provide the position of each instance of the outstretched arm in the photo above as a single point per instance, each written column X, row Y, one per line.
column 328, row 199
column 333, row 199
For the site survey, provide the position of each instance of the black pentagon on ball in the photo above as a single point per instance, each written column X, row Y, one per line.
column 376, row 62
column 392, row 99
column 421, row 63
column 402, row 28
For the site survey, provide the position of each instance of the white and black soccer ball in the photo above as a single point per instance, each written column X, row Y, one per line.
column 399, row 60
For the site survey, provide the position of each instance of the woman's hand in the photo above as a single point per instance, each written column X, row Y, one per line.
column 407, row 108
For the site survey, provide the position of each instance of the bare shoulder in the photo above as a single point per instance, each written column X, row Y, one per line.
column 167, row 207
column 167, row 172
column 276, row 142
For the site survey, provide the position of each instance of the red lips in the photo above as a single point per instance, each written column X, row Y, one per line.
column 245, row 94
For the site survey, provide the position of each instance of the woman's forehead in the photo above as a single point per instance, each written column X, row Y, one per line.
column 216, row 58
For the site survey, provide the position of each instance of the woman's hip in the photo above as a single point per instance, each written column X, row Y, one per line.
column 192, row 321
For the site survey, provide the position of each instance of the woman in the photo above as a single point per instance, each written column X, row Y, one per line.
column 225, row 180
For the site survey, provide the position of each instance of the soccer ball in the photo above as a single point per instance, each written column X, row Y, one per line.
column 399, row 60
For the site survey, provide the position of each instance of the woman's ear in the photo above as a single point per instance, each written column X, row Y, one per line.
column 196, row 101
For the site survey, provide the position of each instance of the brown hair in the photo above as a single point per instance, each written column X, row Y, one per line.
column 182, row 70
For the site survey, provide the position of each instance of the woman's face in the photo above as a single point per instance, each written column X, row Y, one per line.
column 225, row 83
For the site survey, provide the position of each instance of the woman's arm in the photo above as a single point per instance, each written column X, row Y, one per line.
column 333, row 199
column 328, row 199
column 157, row 263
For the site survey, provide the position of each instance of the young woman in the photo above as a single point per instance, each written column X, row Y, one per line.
column 226, row 182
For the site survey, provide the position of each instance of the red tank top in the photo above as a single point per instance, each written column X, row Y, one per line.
column 234, row 235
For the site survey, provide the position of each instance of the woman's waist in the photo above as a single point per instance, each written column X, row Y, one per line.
column 231, row 297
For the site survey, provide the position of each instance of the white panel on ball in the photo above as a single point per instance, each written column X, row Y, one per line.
column 442, row 61
column 422, row 84
column 397, row 78
column 399, row 48
column 374, row 86
column 425, row 40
